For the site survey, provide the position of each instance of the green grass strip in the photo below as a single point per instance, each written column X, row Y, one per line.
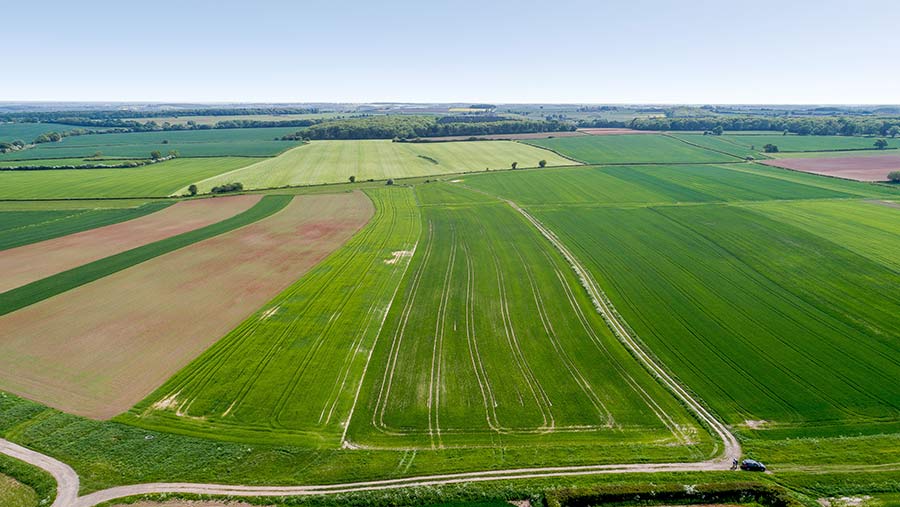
column 25, row 295
column 40, row 481
column 74, row 222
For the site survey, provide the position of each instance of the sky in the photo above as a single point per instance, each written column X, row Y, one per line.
column 625, row 51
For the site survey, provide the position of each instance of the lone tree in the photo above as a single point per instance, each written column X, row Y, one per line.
column 389, row 181
column 155, row 155
column 880, row 144
column 515, row 164
column 192, row 189
column 894, row 176
column 352, row 179
column 770, row 148
column 893, row 131
column 718, row 130
column 542, row 163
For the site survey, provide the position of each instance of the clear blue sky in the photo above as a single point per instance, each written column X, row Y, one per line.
column 597, row 51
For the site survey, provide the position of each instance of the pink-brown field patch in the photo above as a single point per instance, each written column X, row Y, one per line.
column 615, row 131
column 28, row 263
column 99, row 349
column 868, row 168
column 506, row 137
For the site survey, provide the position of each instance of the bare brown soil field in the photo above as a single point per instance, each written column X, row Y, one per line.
column 97, row 350
column 868, row 168
column 32, row 262
column 507, row 137
column 615, row 131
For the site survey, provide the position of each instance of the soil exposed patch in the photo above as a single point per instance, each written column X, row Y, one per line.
column 867, row 168
column 23, row 265
column 615, row 131
column 97, row 350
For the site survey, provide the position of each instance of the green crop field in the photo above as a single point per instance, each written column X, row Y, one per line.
column 19, row 228
column 722, row 143
column 306, row 349
column 335, row 161
column 746, row 307
column 649, row 184
column 630, row 149
column 15, row 494
column 156, row 180
column 250, row 142
column 808, row 143
column 28, row 131
column 516, row 350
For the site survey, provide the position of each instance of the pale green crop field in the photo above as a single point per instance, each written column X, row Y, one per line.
column 322, row 162
column 15, row 494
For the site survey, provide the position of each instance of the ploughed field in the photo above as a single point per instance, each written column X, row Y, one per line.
column 98, row 348
column 868, row 168
column 335, row 161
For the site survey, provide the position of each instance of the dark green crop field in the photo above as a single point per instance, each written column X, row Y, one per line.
column 779, row 309
column 28, row 131
column 654, row 184
column 19, row 228
column 630, row 149
column 809, row 143
column 251, row 142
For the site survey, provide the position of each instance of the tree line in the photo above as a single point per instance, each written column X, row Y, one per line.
column 819, row 126
column 403, row 127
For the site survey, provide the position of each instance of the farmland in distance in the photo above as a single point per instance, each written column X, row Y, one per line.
column 631, row 149
column 335, row 161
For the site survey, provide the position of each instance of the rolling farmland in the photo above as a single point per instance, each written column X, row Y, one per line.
column 508, row 348
column 189, row 143
column 369, row 360
column 644, row 185
column 156, row 180
column 747, row 310
column 53, row 350
column 33, row 262
column 30, row 226
column 630, row 149
column 335, row 161
column 306, row 349
column 808, row 143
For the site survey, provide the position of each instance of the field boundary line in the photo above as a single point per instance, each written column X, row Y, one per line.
column 703, row 147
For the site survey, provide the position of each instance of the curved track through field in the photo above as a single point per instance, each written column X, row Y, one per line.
column 67, row 479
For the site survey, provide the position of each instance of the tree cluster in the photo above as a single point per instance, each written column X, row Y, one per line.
column 228, row 187
column 402, row 127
